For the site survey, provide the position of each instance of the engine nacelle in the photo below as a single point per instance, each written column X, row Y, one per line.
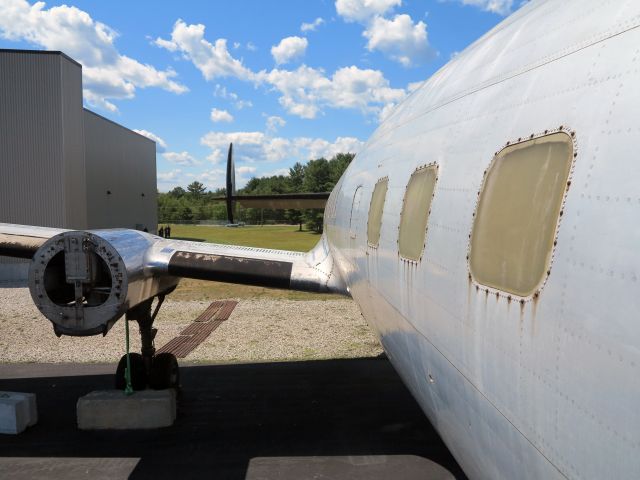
column 84, row 281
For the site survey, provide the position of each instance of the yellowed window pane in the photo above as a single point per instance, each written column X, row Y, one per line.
column 415, row 212
column 375, row 212
column 518, row 210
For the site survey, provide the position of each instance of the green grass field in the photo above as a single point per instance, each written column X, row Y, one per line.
column 278, row 237
column 285, row 237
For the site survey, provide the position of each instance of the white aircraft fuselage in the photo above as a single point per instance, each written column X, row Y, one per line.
column 527, row 372
column 539, row 387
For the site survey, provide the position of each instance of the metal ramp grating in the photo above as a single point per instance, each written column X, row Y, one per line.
column 196, row 333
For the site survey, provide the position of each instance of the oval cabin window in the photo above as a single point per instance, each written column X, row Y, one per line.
column 374, row 223
column 517, row 215
column 416, row 207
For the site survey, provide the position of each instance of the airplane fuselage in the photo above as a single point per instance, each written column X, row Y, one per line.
column 532, row 386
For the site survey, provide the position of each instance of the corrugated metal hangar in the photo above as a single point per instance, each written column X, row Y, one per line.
column 62, row 165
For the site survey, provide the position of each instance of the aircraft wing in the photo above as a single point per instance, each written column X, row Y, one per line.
column 281, row 201
column 22, row 241
column 84, row 280
column 311, row 271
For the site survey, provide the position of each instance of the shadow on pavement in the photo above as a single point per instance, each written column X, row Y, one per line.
column 229, row 417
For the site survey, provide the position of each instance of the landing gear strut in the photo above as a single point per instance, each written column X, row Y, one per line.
column 157, row 371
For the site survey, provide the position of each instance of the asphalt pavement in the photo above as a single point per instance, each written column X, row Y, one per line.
column 333, row 419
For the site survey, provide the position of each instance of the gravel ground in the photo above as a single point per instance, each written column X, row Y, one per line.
column 258, row 330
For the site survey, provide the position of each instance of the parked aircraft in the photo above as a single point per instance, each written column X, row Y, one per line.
column 489, row 232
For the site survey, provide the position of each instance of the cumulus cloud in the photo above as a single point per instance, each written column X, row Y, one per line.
column 274, row 123
column 252, row 147
column 311, row 27
column 181, row 158
column 169, row 176
column 212, row 179
column 161, row 145
column 364, row 10
column 212, row 59
column 313, row 148
column 289, row 49
column 277, row 172
column 222, row 92
column 220, row 116
column 413, row 86
column 400, row 39
column 245, row 169
column 304, row 92
column 170, row 179
column 107, row 74
column 501, row 7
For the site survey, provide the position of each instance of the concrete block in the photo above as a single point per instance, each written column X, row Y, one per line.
column 113, row 410
column 17, row 411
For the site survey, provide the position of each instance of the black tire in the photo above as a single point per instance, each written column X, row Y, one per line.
column 138, row 372
column 164, row 372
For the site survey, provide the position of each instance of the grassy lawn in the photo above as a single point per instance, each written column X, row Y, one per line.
column 278, row 237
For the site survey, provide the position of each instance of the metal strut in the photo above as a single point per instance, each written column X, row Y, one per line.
column 142, row 314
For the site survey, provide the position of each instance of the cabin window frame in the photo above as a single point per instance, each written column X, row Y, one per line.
column 534, row 292
column 420, row 169
column 385, row 181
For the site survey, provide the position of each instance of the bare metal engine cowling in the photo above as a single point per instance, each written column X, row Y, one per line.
column 85, row 281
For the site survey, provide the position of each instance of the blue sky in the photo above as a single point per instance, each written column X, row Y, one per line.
column 284, row 80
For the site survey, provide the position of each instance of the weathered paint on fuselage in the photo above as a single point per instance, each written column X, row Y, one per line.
column 547, row 389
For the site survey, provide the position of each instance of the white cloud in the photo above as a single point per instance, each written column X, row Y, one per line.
column 363, row 10
column 236, row 45
column 252, row 147
column 319, row 147
column 276, row 173
column 219, row 142
column 161, row 145
column 240, row 104
column 107, row 74
column 413, row 86
column 274, row 123
column 311, row 27
column 181, row 158
column 245, row 169
column 251, row 47
column 169, row 176
column 212, row 179
column 170, row 179
column 221, row 92
column 304, row 92
column 221, row 116
column 289, row 49
column 400, row 39
column 213, row 60
column 501, row 7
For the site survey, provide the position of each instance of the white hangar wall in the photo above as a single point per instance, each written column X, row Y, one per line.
column 121, row 176
column 42, row 175
column 57, row 159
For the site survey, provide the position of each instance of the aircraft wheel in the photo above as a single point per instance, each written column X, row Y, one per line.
column 138, row 372
column 164, row 372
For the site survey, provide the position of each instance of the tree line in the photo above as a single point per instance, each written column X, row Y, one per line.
column 195, row 203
